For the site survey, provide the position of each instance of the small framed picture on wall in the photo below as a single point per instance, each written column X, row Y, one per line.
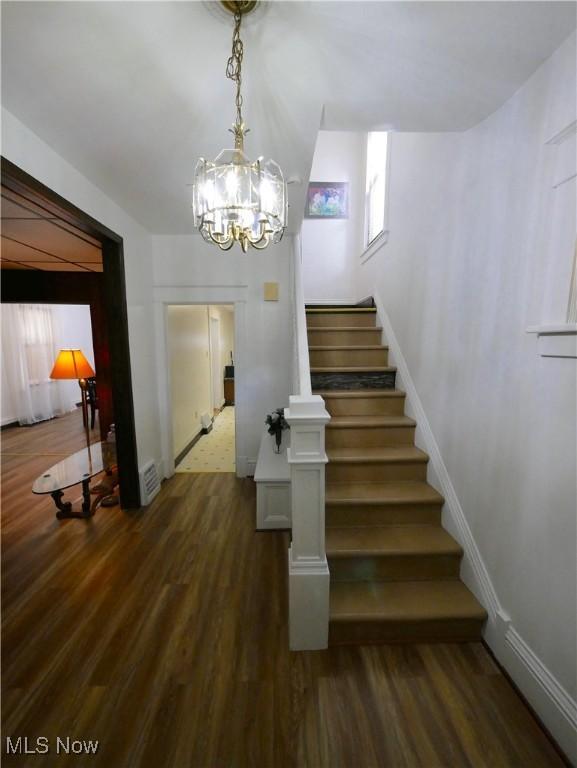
column 327, row 200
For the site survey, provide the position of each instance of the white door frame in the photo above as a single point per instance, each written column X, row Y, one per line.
column 201, row 294
column 216, row 381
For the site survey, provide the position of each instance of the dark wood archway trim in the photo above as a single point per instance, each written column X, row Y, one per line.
column 116, row 317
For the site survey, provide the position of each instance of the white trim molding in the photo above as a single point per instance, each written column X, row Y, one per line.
column 551, row 701
column 555, row 707
column 556, row 340
column 564, row 134
column 379, row 242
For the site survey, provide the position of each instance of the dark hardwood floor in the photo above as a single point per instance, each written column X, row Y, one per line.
column 162, row 634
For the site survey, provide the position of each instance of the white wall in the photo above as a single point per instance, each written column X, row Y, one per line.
column 188, row 351
column 29, row 152
column 188, row 270
column 330, row 247
column 468, row 267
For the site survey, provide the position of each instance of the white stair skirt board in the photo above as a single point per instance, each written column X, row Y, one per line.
column 556, row 708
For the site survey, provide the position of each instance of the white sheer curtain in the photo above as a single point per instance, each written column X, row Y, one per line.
column 29, row 349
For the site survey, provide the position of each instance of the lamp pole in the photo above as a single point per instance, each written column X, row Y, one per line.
column 82, row 384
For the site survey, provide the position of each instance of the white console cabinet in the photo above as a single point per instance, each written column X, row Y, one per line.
column 273, row 489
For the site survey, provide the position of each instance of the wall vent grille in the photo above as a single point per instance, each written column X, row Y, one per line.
column 149, row 482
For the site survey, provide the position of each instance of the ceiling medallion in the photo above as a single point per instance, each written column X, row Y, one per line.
column 235, row 199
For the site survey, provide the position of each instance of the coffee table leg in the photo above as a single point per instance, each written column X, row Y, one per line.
column 63, row 507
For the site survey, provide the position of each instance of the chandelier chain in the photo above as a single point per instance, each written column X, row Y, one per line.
column 236, row 200
column 234, row 65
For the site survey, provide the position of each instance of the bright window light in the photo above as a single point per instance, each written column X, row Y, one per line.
column 376, row 184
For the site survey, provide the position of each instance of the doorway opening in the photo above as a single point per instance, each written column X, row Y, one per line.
column 54, row 253
column 200, row 342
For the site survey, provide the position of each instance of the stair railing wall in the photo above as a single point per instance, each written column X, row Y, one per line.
column 307, row 561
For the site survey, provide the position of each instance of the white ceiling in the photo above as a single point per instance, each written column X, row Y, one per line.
column 131, row 93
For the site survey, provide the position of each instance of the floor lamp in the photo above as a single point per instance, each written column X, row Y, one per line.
column 71, row 364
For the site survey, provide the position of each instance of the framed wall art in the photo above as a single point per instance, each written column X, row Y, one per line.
column 327, row 200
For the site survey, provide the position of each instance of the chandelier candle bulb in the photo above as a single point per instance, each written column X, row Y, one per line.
column 234, row 198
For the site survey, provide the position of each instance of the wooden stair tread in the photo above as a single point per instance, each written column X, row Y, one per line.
column 345, row 348
column 354, row 422
column 354, row 369
column 389, row 454
column 401, row 492
column 340, row 310
column 347, row 328
column 405, row 601
column 358, row 393
column 387, row 540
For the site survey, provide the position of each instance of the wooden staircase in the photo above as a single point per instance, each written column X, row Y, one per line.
column 394, row 569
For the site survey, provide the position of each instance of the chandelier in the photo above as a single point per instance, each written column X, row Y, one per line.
column 235, row 199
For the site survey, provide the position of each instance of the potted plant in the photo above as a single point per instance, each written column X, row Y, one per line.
column 276, row 423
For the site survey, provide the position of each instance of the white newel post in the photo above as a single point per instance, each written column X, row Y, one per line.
column 308, row 568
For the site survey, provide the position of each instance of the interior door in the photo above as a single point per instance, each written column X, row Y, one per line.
column 217, row 373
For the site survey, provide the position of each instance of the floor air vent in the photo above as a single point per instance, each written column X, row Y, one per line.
column 149, row 483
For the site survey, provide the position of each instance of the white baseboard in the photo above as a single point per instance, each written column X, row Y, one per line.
column 553, row 704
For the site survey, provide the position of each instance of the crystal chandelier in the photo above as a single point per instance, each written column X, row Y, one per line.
column 235, row 199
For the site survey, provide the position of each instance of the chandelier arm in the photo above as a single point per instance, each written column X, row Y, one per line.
column 221, row 239
column 260, row 245
column 260, row 237
column 224, row 243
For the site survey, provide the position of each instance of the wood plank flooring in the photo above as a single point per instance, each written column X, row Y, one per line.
column 162, row 634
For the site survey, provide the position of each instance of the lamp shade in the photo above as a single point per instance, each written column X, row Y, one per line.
column 71, row 364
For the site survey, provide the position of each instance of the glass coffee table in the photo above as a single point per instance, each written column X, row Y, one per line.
column 80, row 467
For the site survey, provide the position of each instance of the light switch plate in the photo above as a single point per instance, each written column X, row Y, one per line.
column 271, row 291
